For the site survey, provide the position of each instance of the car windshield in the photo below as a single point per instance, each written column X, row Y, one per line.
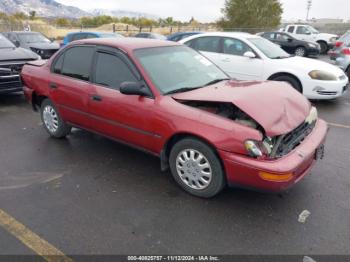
column 345, row 37
column 5, row 43
column 178, row 68
column 33, row 38
column 270, row 49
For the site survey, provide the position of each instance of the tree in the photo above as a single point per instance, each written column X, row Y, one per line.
column 247, row 14
column 32, row 15
column 62, row 22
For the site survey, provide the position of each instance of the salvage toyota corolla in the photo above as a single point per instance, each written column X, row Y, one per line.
column 168, row 100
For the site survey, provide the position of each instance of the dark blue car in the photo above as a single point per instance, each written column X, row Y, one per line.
column 181, row 35
column 85, row 35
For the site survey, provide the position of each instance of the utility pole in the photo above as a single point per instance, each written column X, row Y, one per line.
column 308, row 7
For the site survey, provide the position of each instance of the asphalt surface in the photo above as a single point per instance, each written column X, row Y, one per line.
column 89, row 195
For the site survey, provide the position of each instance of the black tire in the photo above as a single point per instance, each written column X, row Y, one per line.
column 324, row 47
column 218, row 180
column 300, row 51
column 348, row 72
column 62, row 129
column 291, row 80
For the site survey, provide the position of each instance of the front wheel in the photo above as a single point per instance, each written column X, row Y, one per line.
column 290, row 80
column 196, row 168
column 52, row 120
column 300, row 51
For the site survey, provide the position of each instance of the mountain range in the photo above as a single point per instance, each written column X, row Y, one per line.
column 52, row 9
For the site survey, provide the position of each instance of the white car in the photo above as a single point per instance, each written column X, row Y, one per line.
column 249, row 57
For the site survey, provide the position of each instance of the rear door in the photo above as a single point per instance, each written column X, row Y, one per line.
column 234, row 63
column 123, row 117
column 69, row 84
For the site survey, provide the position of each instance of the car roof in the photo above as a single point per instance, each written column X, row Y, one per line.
column 127, row 44
column 239, row 35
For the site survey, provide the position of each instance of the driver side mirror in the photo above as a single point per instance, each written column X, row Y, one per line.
column 134, row 88
column 249, row 54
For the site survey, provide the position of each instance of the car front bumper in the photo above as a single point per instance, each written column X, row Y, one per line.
column 243, row 171
column 321, row 90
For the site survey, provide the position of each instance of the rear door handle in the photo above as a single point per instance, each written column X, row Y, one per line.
column 53, row 85
column 96, row 98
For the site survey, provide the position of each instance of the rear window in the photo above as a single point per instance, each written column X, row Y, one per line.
column 345, row 38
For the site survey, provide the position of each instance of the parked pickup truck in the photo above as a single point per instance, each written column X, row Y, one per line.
column 308, row 33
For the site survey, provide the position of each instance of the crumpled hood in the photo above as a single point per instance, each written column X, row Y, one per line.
column 276, row 106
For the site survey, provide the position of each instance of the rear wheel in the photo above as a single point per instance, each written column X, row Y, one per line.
column 196, row 168
column 52, row 121
column 324, row 47
column 300, row 51
column 291, row 80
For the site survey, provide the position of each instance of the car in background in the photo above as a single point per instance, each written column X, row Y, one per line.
column 343, row 60
column 292, row 45
column 34, row 41
column 250, row 57
column 181, row 35
column 310, row 34
column 150, row 36
column 166, row 99
column 343, row 42
column 70, row 37
column 12, row 59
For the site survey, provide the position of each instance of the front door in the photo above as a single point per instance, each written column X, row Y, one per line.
column 234, row 63
column 123, row 117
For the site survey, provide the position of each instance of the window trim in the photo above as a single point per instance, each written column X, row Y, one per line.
column 63, row 54
column 253, row 50
column 127, row 61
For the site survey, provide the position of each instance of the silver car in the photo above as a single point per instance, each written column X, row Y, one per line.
column 343, row 60
column 343, row 41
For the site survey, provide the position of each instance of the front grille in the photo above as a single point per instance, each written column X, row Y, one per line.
column 327, row 93
column 290, row 141
column 10, row 77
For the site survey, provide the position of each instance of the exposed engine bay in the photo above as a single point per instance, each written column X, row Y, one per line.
column 226, row 110
column 272, row 147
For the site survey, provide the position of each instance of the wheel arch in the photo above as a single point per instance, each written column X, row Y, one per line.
column 172, row 140
column 287, row 74
column 37, row 100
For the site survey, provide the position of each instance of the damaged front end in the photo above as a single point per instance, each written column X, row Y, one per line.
column 270, row 147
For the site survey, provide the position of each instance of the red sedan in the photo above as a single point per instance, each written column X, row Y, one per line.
column 168, row 100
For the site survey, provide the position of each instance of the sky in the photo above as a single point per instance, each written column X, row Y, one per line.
column 209, row 10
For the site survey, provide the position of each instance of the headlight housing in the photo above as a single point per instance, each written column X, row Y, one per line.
column 322, row 75
column 253, row 148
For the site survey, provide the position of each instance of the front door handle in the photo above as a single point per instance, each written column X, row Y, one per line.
column 53, row 85
column 96, row 98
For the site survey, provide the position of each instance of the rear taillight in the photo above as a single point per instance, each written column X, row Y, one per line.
column 346, row 51
column 338, row 44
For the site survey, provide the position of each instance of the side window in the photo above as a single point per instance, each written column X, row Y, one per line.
column 302, row 30
column 282, row 37
column 77, row 62
column 78, row 36
column 207, row 44
column 12, row 37
column 111, row 71
column 269, row 36
column 57, row 67
column 235, row 47
column 291, row 29
column 91, row 36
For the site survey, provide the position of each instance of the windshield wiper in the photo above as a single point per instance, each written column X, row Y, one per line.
column 280, row 57
column 216, row 81
column 181, row 90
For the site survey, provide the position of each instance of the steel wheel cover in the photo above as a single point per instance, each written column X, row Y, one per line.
column 50, row 118
column 194, row 169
